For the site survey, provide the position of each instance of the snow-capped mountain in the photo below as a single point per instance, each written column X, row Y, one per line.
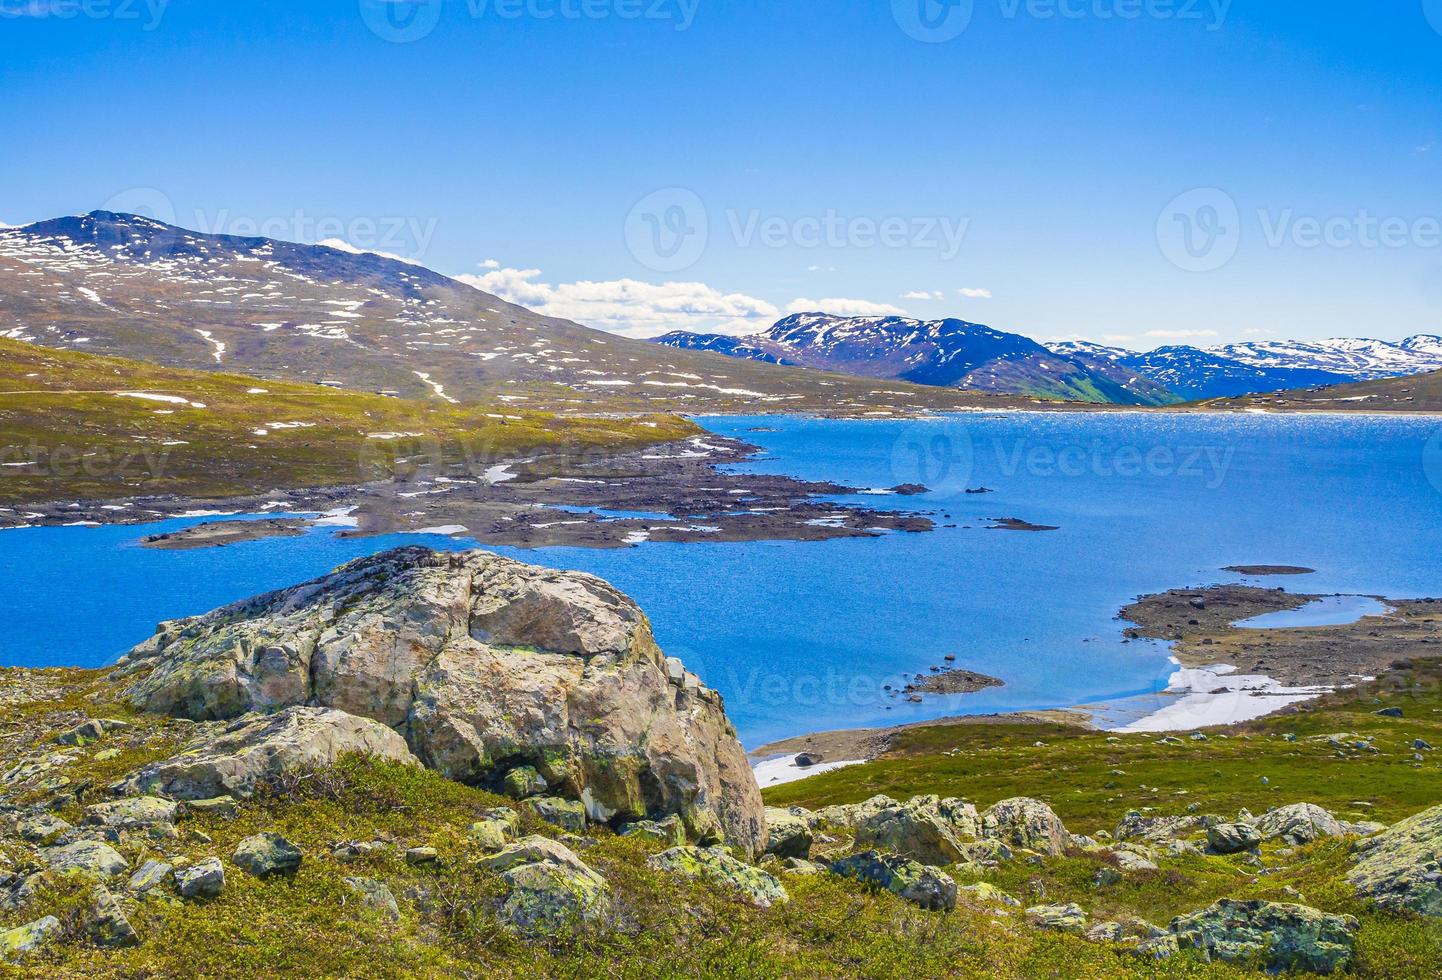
column 1358, row 359
column 945, row 353
column 1194, row 374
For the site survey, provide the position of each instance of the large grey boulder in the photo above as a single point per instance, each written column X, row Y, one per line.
column 1401, row 868
column 259, row 749
column 1233, row 838
column 483, row 664
column 1270, row 935
column 788, row 832
column 205, row 879
column 1026, row 824
column 926, row 829
column 144, row 811
column 911, row 880
column 851, row 815
column 1304, row 823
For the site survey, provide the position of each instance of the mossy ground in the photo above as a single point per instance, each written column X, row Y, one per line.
column 312, row 925
column 66, row 434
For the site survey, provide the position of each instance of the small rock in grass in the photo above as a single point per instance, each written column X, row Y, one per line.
column 203, row 880
column 91, row 857
column 715, row 865
column 913, row 881
column 267, row 854
column 523, row 782
column 105, row 923
column 1233, row 838
column 1058, row 918
column 222, row 807
column 151, row 875
column 422, row 855
column 376, row 896
column 566, row 814
column 15, row 944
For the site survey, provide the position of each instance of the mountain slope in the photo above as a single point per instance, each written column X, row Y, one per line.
column 81, row 426
column 1196, row 374
column 1357, row 359
column 1415, row 393
column 942, row 353
column 132, row 287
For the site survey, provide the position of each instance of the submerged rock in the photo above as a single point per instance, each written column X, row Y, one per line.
column 259, row 749
column 1401, row 868
column 714, row 865
column 483, row 665
column 1271, row 935
column 1028, row 824
column 913, row 881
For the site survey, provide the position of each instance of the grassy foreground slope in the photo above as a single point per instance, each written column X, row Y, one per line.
column 310, row 924
column 75, row 425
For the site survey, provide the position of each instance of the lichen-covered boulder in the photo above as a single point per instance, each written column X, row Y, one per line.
column 482, row 664
column 551, row 889
column 1233, row 838
column 713, row 864
column 670, row 832
column 259, row 749
column 926, row 829
column 1300, row 823
column 566, row 814
column 104, row 921
column 148, row 877
column 984, row 893
column 375, row 896
column 143, row 811
column 1164, row 829
column 1401, row 868
column 88, row 856
column 851, row 815
column 1027, row 824
column 16, row 943
column 1070, row 918
column 205, row 879
column 911, row 880
column 41, row 828
column 788, row 832
column 267, row 854
column 1271, row 935
column 495, row 828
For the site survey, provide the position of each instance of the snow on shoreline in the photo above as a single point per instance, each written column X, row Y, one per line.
column 775, row 772
column 1207, row 697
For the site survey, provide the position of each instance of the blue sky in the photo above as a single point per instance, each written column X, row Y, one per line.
column 1130, row 171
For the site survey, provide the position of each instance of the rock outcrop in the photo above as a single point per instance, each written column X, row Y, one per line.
column 911, row 880
column 550, row 888
column 926, row 829
column 1271, row 935
column 483, row 665
column 714, row 865
column 1401, row 868
column 1028, row 824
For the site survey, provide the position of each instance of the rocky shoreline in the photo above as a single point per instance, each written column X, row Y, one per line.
column 669, row 493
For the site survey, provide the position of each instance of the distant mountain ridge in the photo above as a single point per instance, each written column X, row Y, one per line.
column 956, row 353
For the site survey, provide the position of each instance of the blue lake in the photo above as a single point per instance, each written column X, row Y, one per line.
column 802, row 637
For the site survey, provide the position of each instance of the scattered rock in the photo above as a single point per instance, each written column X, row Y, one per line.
column 267, row 854
column 1028, row 824
column 495, row 828
column 927, row 829
column 1106, row 932
column 144, row 811
column 984, row 893
column 151, row 875
column 1298, row 824
column 41, row 828
column 1233, row 838
column 105, row 923
column 222, row 807
column 1271, row 935
column 1399, row 868
column 89, row 731
column 1390, row 713
column 1058, row 918
column 15, row 944
column 566, row 814
column 851, row 815
column 418, row 856
column 203, row 880
column 551, row 889
column 670, row 832
column 788, row 832
column 88, row 856
column 913, row 881
column 522, row 782
column 258, row 749
column 376, row 896
column 715, row 865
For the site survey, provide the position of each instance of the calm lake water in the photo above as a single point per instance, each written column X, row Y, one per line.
column 803, row 637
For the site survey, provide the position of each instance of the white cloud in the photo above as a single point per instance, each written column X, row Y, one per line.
column 844, row 307
column 821, row 268
column 923, row 294
column 631, row 307
column 974, row 293
column 490, row 264
column 1180, row 334
column 341, row 245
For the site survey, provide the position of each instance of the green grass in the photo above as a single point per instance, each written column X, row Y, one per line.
column 310, row 925
column 60, row 415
